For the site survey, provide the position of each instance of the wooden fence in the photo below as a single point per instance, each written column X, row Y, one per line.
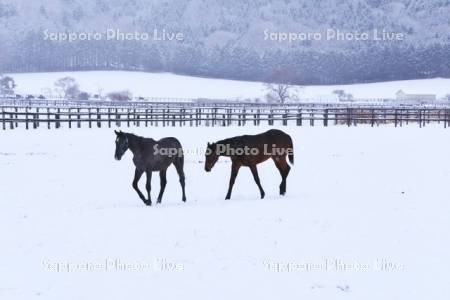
column 199, row 102
column 187, row 115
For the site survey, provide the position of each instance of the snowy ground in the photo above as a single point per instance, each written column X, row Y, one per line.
column 366, row 216
column 176, row 86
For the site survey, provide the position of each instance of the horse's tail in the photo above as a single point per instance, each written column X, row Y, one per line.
column 290, row 150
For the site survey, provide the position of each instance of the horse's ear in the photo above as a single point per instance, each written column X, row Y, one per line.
column 116, row 132
column 209, row 144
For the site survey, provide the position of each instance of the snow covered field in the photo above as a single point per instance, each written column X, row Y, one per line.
column 366, row 216
column 167, row 85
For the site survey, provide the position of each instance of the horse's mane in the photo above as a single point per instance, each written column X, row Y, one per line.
column 226, row 141
column 134, row 136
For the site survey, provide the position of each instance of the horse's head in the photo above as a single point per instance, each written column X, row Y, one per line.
column 211, row 156
column 121, row 144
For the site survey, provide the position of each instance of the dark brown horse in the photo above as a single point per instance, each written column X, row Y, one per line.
column 149, row 156
column 250, row 150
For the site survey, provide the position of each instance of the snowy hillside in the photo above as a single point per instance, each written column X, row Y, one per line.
column 177, row 86
column 229, row 38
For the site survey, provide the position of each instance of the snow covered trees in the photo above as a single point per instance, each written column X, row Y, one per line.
column 69, row 87
column 281, row 93
column 7, row 85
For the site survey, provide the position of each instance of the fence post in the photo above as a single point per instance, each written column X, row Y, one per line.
column 448, row 117
column 70, row 117
column 78, row 118
column 16, row 116
column 299, row 117
column 117, row 118
column 325, row 117
column 424, row 117
column 156, row 116
column 372, row 120
column 146, row 117
column 164, row 117
column 57, row 117
column 285, row 115
column 183, row 117
column 109, row 117
column 151, row 117
column 349, row 117
column 36, row 118
column 26, row 118
column 11, row 121
column 445, row 119
column 99, row 123
column 395, row 117
column 214, row 116
column 420, row 117
column 89, row 118
column 69, row 112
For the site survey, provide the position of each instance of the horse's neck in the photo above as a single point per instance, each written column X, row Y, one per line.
column 133, row 143
column 227, row 143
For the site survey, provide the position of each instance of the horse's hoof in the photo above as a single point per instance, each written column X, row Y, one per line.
column 263, row 195
column 184, row 199
column 227, row 198
column 148, row 203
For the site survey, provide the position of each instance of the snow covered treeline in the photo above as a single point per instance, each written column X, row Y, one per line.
column 227, row 39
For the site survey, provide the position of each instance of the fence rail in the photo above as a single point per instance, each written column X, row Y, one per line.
column 12, row 117
column 200, row 102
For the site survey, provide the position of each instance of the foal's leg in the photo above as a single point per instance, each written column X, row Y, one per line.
column 163, row 179
column 234, row 171
column 137, row 175
column 254, row 170
column 284, row 168
column 148, row 187
column 180, row 172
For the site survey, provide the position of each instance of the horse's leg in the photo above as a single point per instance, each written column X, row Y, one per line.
column 284, row 168
column 234, row 171
column 163, row 179
column 179, row 166
column 137, row 175
column 148, row 186
column 254, row 170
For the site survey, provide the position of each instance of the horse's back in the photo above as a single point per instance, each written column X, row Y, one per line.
column 173, row 147
column 275, row 133
column 169, row 142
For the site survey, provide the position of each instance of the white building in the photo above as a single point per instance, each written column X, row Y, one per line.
column 416, row 98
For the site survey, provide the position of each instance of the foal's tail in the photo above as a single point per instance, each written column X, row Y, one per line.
column 291, row 150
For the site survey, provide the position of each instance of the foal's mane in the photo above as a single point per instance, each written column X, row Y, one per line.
column 226, row 141
column 132, row 135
